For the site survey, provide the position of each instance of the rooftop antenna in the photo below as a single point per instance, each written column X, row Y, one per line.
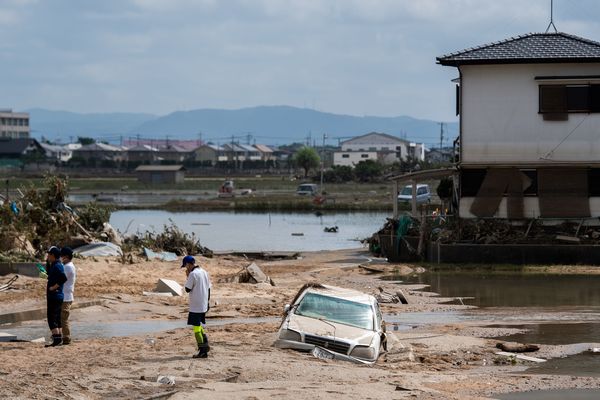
column 551, row 24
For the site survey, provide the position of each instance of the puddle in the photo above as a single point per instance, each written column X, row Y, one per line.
column 571, row 394
column 85, row 330
column 512, row 288
column 583, row 364
column 554, row 333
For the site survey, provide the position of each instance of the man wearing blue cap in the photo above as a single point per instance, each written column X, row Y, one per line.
column 54, row 294
column 198, row 286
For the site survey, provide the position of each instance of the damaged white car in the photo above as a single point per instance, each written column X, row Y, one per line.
column 342, row 322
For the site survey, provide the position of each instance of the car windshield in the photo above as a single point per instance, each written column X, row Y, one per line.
column 336, row 310
column 305, row 187
column 407, row 191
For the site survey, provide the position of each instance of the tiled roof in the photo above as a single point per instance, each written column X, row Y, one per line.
column 17, row 146
column 531, row 48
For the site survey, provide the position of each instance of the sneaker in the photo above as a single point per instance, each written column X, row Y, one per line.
column 200, row 355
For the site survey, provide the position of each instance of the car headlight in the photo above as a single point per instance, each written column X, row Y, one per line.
column 288, row 334
column 366, row 352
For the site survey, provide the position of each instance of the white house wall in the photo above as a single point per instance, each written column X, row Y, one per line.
column 353, row 158
column 501, row 123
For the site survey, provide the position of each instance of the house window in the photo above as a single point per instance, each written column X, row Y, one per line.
column 364, row 156
column 556, row 101
column 345, row 155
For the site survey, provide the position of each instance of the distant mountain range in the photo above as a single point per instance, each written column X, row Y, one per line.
column 264, row 124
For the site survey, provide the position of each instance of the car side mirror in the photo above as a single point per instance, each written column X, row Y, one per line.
column 286, row 308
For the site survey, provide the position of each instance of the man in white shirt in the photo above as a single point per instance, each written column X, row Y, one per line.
column 66, row 256
column 198, row 286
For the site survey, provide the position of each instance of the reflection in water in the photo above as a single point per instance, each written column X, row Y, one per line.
column 246, row 231
column 514, row 289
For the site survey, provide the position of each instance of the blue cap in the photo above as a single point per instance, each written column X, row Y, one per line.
column 188, row 260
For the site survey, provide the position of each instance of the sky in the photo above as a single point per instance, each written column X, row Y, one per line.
column 353, row 57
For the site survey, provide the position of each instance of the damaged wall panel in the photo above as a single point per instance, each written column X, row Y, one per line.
column 563, row 192
column 497, row 183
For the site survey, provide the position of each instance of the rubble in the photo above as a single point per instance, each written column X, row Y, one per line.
column 40, row 218
column 168, row 286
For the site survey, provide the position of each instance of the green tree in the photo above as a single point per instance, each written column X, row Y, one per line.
column 85, row 140
column 368, row 170
column 307, row 158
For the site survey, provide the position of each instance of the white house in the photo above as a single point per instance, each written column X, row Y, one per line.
column 379, row 147
column 529, row 127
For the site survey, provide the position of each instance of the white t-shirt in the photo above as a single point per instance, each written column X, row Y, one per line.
column 199, row 283
column 69, row 286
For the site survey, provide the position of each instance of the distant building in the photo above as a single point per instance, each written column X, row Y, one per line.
column 156, row 174
column 100, row 152
column 142, row 153
column 378, row 147
column 209, row 154
column 15, row 152
column 440, row 156
column 57, row 152
column 266, row 153
column 14, row 125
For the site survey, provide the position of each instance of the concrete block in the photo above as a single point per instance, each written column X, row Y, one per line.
column 169, row 286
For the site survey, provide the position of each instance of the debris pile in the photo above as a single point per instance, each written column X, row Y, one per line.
column 414, row 235
column 172, row 239
column 41, row 218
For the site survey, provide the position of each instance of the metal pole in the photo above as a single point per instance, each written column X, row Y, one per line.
column 7, row 184
column 395, row 199
column 323, row 160
column 414, row 199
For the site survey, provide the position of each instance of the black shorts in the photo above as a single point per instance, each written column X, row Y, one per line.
column 196, row 318
column 53, row 313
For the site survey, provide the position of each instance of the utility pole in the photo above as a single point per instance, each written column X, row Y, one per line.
column 441, row 134
column 323, row 161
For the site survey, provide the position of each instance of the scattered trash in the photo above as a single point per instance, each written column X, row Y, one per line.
column 595, row 349
column 166, row 380
column 159, row 255
column 102, row 249
column 386, row 297
column 150, row 341
column 297, row 234
column 332, row 229
column 8, row 284
column 570, row 239
column 169, row 286
column 38, row 340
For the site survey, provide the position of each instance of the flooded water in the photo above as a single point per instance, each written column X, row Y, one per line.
column 571, row 394
column 584, row 364
column 514, row 288
column 555, row 333
column 222, row 231
column 85, row 330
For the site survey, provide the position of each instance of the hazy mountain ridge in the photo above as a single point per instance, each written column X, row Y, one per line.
column 266, row 124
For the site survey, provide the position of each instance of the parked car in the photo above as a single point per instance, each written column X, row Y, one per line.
column 423, row 194
column 307, row 189
column 342, row 321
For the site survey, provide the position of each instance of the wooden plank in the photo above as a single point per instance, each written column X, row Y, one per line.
column 520, row 356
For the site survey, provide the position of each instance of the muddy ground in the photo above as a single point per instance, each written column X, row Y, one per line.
column 437, row 361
